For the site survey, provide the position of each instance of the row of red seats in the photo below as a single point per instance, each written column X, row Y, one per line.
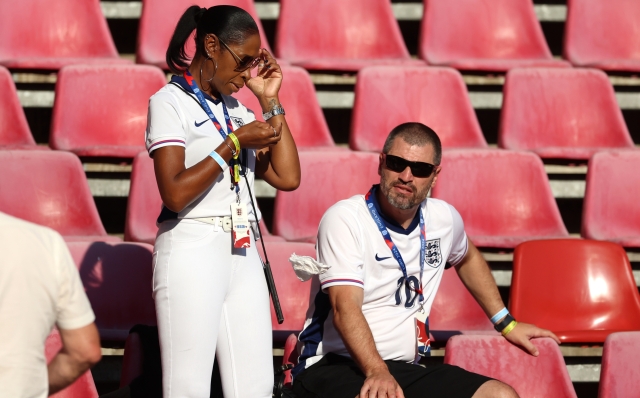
column 465, row 34
column 557, row 113
column 503, row 196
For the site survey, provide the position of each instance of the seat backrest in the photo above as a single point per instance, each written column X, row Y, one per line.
column 83, row 387
column 355, row 29
column 117, row 279
column 572, row 285
column 611, row 210
column 543, row 376
column 620, row 374
column 436, row 97
column 304, row 115
column 327, row 177
column 159, row 19
column 547, row 107
column 144, row 203
column 454, row 309
column 65, row 28
column 463, row 29
column 88, row 112
column 49, row 188
column 503, row 197
column 14, row 129
column 599, row 30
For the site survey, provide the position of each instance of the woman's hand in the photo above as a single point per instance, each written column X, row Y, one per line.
column 258, row 135
column 266, row 84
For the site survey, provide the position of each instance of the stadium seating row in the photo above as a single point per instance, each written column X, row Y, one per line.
column 557, row 113
column 464, row 34
column 503, row 196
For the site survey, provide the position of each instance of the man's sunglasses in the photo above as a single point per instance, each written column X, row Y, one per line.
column 398, row 165
column 249, row 63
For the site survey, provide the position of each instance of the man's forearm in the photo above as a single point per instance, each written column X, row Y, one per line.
column 64, row 370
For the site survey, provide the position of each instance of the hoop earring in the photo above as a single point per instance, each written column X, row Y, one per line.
column 215, row 70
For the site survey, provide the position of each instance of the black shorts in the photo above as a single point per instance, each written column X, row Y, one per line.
column 335, row 376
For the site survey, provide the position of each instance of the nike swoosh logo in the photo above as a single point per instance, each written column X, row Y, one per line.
column 381, row 258
column 199, row 124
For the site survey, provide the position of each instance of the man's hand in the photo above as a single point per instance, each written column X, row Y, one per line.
column 380, row 384
column 523, row 332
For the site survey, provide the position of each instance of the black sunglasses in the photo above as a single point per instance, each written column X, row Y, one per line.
column 398, row 165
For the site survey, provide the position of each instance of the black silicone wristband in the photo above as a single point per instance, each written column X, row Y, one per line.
column 504, row 323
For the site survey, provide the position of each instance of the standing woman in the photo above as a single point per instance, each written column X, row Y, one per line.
column 209, row 288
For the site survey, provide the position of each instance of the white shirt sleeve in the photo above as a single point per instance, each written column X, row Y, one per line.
column 460, row 243
column 164, row 125
column 339, row 246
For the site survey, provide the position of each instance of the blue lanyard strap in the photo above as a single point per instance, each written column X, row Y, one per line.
column 369, row 198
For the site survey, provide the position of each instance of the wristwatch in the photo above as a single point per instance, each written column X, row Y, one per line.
column 275, row 111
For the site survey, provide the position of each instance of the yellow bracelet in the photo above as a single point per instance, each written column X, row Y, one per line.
column 509, row 328
column 235, row 142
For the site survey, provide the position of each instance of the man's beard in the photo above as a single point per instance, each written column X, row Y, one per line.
column 401, row 201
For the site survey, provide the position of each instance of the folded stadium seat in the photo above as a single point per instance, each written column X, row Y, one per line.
column 68, row 32
column 93, row 118
column 290, row 358
column 603, row 34
column 327, row 177
column 487, row 36
column 50, row 188
column 304, row 115
column 293, row 294
column 345, row 35
column 117, row 279
column 436, row 97
column 144, row 204
column 543, row 376
column 620, row 374
column 455, row 311
column 159, row 19
column 14, row 130
column 582, row 290
column 83, row 387
column 561, row 113
column 611, row 210
column 504, row 197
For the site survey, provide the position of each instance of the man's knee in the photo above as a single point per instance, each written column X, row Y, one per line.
column 495, row 389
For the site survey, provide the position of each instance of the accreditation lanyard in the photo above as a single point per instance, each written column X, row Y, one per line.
column 203, row 103
column 394, row 249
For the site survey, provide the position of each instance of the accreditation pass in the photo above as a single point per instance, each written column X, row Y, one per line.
column 240, row 226
column 422, row 333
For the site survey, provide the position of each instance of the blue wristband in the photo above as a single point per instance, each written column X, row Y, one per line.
column 503, row 312
column 223, row 165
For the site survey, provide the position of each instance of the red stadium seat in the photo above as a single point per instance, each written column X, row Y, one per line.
column 483, row 36
column 620, row 374
column 117, row 279
column 84, row 386
column 327, row 177
column 145, row 204
column 611, row 210
column 455, row 311
column 561, row 113
column 14, row 130
column 94, row 119
column 504, row 197
column 436, row 97
column 582, row 290
column 290, row 357
column 344, row 35
column 132, row 360
column 159, row 19
column 603, row 34
column 55, row 34
column 293, row 294
column 493, row 356
column 304, row 115
column 50, row 188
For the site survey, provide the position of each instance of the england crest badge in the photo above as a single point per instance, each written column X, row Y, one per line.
column 433, row 255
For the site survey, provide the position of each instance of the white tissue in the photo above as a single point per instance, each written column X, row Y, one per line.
column 305, row 267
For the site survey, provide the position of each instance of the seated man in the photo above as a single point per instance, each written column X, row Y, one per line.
column 387, row 251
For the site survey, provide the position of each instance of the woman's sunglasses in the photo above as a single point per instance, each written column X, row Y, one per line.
column 398, row 165
column 249, row 63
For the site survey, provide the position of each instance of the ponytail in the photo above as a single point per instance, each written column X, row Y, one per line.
column 231, row 24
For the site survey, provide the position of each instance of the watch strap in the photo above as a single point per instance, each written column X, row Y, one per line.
column 275, row 111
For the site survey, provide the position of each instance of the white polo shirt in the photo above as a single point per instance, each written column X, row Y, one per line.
column 176, row 118
column 349, row 241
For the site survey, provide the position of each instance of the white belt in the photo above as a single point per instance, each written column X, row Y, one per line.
column 225, row 222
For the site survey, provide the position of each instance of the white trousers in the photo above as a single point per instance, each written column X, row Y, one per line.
column 211, row 302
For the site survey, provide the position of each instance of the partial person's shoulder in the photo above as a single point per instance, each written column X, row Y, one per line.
column 167, row 94
column 17, row 229
column 346, row 209
column 438, row 207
